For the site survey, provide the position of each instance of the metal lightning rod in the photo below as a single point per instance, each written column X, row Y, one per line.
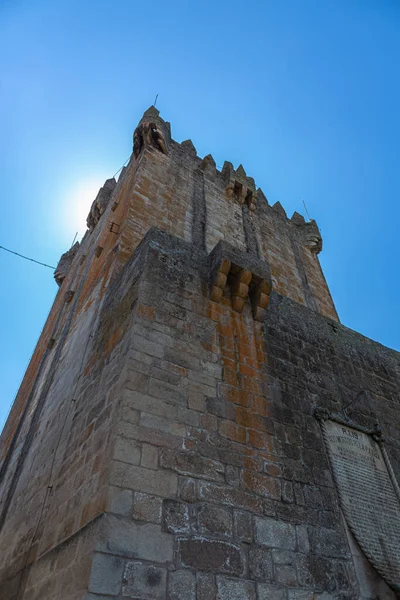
column 305, row 208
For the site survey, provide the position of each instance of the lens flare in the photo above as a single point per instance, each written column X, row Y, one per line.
column 76, row 205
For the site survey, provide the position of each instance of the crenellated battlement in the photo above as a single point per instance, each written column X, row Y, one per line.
column 238, row 185
column 154, row 132
column 167, row 185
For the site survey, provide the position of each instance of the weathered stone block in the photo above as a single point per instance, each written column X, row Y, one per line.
column 235, row 589
column 267, row 591
column 283, row 557
column 168, row 392
column 214, row 520
column 232, row 475
column 287, row 492
column 132, row 540
column 285, row 575
column 262, row 485
column 106, row 574
column 166, row 372
column 137, row 382
column 147, row 347
column 183, row 359
column 303, row 544
column 186, row 463
column 188, row 489
column 221, row 408
column 206, row 586
column 299, row 494
column 162, row 424
column 229, row 496
column 203, row 377
column 312, row 496
column 208, row 422
column 147, row 404
column 149, row 458
column 314, row 572
column 196, row 399
column 148, row 435
column 120, row 501
column 144, row 581
column 176, row 517
column 270, row 507
column 127, row 451
column 327, row 542
column 233, row 432
column 260, row 564
column 206, row 554
column 275, row 534
column 243, row 526
column 301, row 595
column 189, row 417
column 181, row 585
column 144, row 480
column 147, row 508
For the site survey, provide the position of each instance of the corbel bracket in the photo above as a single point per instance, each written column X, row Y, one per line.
column 246, row 275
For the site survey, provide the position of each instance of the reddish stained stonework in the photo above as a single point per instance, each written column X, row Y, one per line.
column 162, row 444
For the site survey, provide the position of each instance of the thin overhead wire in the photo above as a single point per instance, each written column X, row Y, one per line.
column 73, row 241
column 120, row 169
column 27, row 258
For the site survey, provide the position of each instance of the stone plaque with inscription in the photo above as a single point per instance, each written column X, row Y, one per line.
column 368, row 496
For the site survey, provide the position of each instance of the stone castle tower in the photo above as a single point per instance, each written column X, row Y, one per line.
column 164, row 443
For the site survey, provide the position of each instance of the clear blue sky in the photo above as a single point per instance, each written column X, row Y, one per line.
column 305, row 94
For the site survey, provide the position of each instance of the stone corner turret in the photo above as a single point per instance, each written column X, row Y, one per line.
column 64, row 263
column 152, row 131
column 100, row 203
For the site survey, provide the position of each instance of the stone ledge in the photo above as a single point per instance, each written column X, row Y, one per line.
column 247, row 275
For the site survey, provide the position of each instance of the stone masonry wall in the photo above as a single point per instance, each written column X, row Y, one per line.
column 162, row 445
column 187, row 197
column 220, row 485
column 215, row 482
column 55, row 449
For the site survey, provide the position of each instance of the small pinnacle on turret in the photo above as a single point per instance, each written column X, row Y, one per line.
column 297, row 219
column 189, row 147
column 240, row 172
column 227, row 170
column 100, row 203
column 208, row 161
column 242, row 177
column 152, row 132
column 64, row 263
column 261, row 196
column 151, row 112
column 278, row 208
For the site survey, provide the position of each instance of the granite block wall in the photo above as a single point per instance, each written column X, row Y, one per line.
column 163, row 443
column 221, row 483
